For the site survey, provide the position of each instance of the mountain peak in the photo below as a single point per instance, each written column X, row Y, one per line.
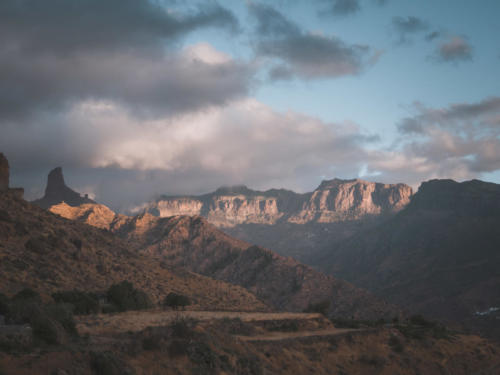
column 57, row 192
column 472, row 197
column 55, row 180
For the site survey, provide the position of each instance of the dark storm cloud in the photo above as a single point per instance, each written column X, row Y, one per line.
column 454, row 49
column 303, row 54
column 56, row 52
column 63, row 26
column 407, row 26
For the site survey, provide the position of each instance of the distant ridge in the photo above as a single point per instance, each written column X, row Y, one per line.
column 334, row 200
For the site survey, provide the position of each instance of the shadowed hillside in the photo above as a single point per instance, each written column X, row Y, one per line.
column 439, row 256
column 48, row 253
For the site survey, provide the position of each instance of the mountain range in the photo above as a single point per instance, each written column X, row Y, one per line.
column 434, row 252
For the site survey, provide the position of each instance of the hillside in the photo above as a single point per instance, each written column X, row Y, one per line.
column 186, row 343
column 195, row 244
column 440, row 255
column 48, row 253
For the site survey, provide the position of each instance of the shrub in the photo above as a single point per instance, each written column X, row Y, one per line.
column 27, row 294
column 46, row 329
column 181, row 329
column 83, row 303
column 396, row 344
column 319, row 307
column 107, row 363
column 175, row 301
column 63, row 314
column 4, row 305
column 125, row 297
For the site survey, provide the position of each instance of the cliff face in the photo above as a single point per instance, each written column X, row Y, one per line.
column 339, row 200
column 334, row 200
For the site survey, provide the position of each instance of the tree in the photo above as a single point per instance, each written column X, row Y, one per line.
column 175, row 301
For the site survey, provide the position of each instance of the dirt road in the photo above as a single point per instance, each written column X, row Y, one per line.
column 139, row 320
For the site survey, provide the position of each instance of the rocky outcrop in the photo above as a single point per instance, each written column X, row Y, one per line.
column 4, row 173
column 4, row 179
column 57, row 192
column 333, row 201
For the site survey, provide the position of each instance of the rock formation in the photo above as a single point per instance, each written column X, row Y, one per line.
column 334, row 200
column 4, row 173
column 57, row 192
column 4, row 179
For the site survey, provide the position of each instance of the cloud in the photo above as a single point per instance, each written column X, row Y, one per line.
column 343, row 7
column 433, row 35
column 245, row 142
column 59, row 52
column 406, row 26
column 454, row 48
column 302, row 54
column 461, row 141
column 65, row 26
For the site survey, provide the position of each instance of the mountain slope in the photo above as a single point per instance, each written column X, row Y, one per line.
column 440, row 255
column 48, row 253
column 195, row 244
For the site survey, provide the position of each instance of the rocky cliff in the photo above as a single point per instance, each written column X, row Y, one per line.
column 57, row 192
column 334, row 200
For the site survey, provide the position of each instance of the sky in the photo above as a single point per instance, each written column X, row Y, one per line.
column 137, row 98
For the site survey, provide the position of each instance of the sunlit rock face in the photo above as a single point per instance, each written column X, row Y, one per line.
column 334, row 200
column 338, row 200
column 57, row 192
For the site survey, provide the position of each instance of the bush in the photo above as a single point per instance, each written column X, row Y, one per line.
column 125, row 297
column 178, row 348
column 63, row 314
column 396, row 344
column 27, row 294
column 4, row 305
column 83, row 303
column 175, row 301
column 319, row 307
column 181, row 329
column 107, row 363
column 47, row 329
